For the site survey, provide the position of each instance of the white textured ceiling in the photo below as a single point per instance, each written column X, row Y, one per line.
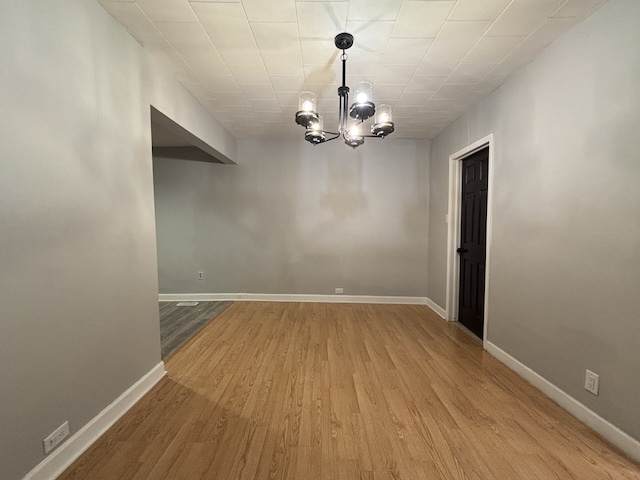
column 431, row 60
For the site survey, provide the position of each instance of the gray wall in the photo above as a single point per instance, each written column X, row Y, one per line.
column 565, row 265
column 78, row 281
column 291, row 218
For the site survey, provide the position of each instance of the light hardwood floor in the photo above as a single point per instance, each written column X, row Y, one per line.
column 356, row 392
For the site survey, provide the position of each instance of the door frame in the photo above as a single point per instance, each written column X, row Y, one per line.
column 453, row 228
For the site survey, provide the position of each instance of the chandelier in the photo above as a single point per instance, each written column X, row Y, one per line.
column 362, row 109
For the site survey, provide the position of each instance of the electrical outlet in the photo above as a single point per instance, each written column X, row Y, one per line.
column 200, row 275
column 339, row 290
column 591, row 382
column 56, row 437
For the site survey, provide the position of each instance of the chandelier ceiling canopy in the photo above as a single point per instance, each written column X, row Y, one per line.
column 362, row 109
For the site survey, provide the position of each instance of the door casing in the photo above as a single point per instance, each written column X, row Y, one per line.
column 453, row 234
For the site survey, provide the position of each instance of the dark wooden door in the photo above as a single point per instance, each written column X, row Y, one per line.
column 473, row 240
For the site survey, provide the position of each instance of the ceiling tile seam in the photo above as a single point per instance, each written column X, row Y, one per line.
column 304, row 75
column 132, row 31
column 198, row 76
column 428, row 49
column 204, row 30
column 559, row 7
column 524, row 40
column 306, row 85
column 548, row 17
column 372, row 20
column 187, row 64
column 472, row 47
column 211, row 42
column 518, row 46
column 584, row 17
column 386, row 46
column 244, row 11
column 484, row 35
column 502, row 13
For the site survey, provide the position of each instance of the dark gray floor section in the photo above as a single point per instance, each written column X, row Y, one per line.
column 179, row 324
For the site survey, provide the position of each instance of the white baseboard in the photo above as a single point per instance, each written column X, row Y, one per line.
column 69, row 451
column 267, row 297
column 610, row 432
column 437, row 308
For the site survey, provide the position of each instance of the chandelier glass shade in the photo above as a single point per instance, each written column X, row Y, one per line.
column 362, row 109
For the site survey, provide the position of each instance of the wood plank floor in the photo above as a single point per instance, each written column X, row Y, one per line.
column 179, row 323
column 354, row 392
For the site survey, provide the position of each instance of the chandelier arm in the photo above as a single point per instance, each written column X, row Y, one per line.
column 335, row 135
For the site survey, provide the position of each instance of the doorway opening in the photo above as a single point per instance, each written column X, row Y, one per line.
column 469, row 235
column 171, row 141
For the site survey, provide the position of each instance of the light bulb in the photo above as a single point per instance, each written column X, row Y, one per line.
column 361, row 97
column 316, row 126
column 307, row 106
column 383, row 118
